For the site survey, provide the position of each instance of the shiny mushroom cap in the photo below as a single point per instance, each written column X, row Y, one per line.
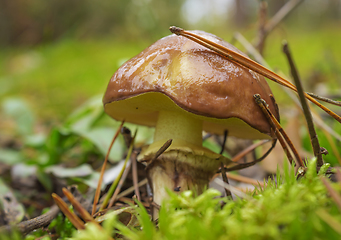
column 176, row 74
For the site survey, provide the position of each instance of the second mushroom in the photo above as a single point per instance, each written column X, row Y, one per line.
column 182, row 88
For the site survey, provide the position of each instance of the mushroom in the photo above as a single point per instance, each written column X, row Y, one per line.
column 183, row 88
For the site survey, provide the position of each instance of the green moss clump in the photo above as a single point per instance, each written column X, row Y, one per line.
column 286, row 208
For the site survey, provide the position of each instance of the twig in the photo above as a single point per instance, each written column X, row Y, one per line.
column 225, row 179
column 243, row 179
column 155, row 205
column 333, row 146
column 329, row 219
column 78, row 207
column 266, row 28
column 249, row 164
column 261, row 60
column 224, row 142
column 281, row 14
column 231, row 188
column 135, row 177
column 306, row 110
column 119, row 186
column 277, row 127
column 327, row 100
column 317, row 119
column 131, row 189
column 223, row 172
column 338, row 176
column 240, row 178
column 34, row 223
column 74, row 219
column 82, row 212
column 131, row 201
column 280, row 138
column 42, row 220
column 162, row 149
column 250, row 49
column 115, row 183
column 247, row 150
column 336, row 197
column 99, row 185
column 261, row 29
column 126, row 133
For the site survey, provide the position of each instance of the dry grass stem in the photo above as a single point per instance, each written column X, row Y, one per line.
column 99, row 185
column 115, row 183
column 267, row 26
column 76, row 221
column 247, row 150
column 333, row 146
column 334, row 195
column 224, row 142
column 231, row 188
column 249, row 164
column 338, row 176
column 327, row 100
column 240, row 178
column 131, row 201
column 119, row 186
column 131, row 189
column 225, row 179
column 278, row 130
column 135, row 177
column 250, row 49
column 164, row 147
column 262, row 33
column 243, row 179
column 78, row 207
column 222, row 167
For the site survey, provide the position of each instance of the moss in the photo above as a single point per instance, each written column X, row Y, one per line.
column 288, row 209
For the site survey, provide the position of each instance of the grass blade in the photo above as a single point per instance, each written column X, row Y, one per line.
column 98, row 190
column 114, row 185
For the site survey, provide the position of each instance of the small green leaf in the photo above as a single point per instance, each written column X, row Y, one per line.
column 10, row 157
column 19, row 111
column 64, row 172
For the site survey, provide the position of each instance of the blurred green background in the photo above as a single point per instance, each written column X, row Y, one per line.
column 57, row 54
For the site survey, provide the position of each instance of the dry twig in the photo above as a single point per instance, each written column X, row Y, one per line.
column 99, row 185
column 119, row 186
column 267, row 27
column 279, row 131
column 115, row 183
column 135, row 177
column 313, row 137
column 74, row 219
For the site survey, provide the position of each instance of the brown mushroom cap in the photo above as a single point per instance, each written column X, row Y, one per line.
column 198, row 80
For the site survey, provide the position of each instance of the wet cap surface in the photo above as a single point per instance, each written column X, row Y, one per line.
column 177, row 74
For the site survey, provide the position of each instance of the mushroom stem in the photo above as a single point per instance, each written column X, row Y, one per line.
column 177, row 176
column 175, row 169
column 175, row 125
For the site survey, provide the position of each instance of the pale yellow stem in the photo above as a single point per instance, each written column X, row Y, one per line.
column 178, row 125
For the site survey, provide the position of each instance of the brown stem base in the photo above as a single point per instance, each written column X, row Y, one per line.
column 176, row 176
